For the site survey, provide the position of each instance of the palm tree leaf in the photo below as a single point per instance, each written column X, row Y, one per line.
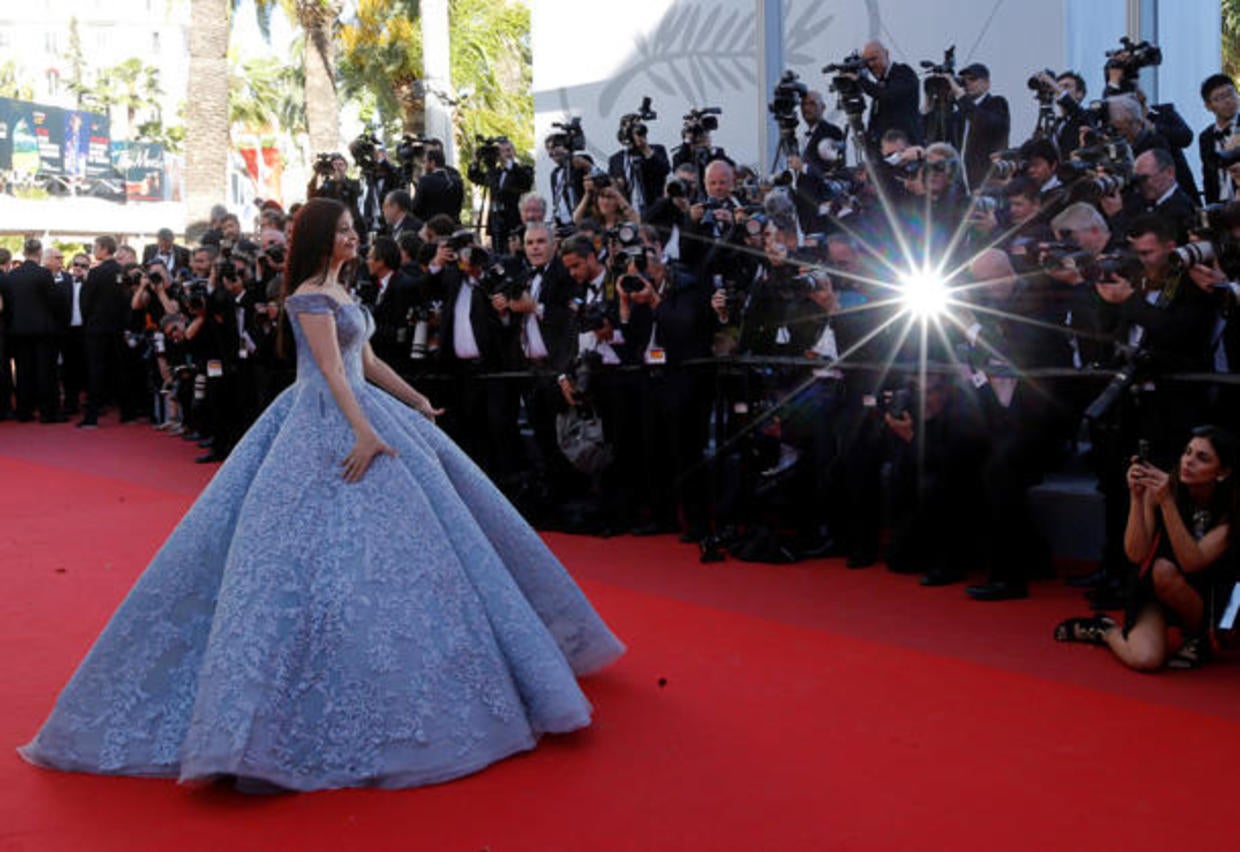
column 696, row 69
column 665, row 36
column 726, row 27
column 722, row 70
column 682, row 81
column 688, row 37
column 660, row 82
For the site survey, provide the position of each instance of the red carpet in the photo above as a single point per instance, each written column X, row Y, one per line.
column 808, row 707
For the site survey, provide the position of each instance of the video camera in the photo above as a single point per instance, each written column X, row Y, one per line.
column 639, row 259
column 486, row 150
column 570, row 136
column 784, row 101
column 1132, row 57
column 1043, row 90
column 362, row 150
column 936, row 87
column 848, row 91
column 633, row 124
column 699, row 122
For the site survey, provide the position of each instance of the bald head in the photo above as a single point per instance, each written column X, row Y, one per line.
column 993, row 268
column 720, row 179
column 876, row 58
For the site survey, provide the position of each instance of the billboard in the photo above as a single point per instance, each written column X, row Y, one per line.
column 66, row 151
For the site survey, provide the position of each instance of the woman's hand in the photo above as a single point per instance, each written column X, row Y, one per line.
column 423, row 406
column 365, row 448
column 1137, row 482
column 1157, row 485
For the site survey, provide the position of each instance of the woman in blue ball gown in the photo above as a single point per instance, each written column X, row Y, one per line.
column 349, row 603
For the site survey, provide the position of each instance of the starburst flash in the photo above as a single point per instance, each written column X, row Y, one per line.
column 924, row 293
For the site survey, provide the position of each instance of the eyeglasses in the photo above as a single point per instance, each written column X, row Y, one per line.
column 80, row 265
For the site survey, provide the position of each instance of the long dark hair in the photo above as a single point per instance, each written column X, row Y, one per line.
column 309, row 253
column 314, row 237
column 1225, row 503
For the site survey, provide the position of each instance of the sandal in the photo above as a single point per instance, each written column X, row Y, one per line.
column 1087, row 630
column 1194, row 652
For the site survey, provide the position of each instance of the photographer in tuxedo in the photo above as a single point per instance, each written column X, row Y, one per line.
column 640, row 169
column 547, row 316
column 982, row 122
column 394, row 298
column 893, row 92
column 1218, row 92
column 666, row 318
column 506, row 179
column 105, row 303
column 166, row 251
column 437, row 192
column 477, row 335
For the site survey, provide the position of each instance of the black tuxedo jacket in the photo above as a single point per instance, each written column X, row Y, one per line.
column 893, row 104
column 391, row 315
column 506, row 186
column 32, row 300
column 495, row 339
column 652, row 171
column 1178, row 210
column 565, row 192
column 981, row 130
column 437, row 194
column 559, row 297
column 105, row 299
column 180, row 256
column 683, row 323
column 1207, row 142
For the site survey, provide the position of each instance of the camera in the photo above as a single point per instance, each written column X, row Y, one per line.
column 848, row 90
column 894, row 401
column 1008, row 163
column 323, row 164
column 784, row 101
column 699, row 122
column 570, row 135
column 461, row 239
column 594, row 316
column 411, row 148
column 495, row 278
column 1214, row 240
column 600, row 178
column 626, row 235
column 362, row 150
column 677, row 188
column 636, row 257
column 633, row 125
column 1044, row 90
column 486, row 150
column 1133, row 56
column 936, row 87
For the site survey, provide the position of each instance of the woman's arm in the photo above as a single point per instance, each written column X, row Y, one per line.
column 141, row 298
column 1191, row 555
column 1139, row 533
column 381, row 374
column 320, row 330
column 583, row 210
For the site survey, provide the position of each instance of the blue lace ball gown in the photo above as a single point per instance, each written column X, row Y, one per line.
column 306, row 632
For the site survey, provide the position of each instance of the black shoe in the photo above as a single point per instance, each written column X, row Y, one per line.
column 88, row 423
column 650, row 528
column 861, row 560
column 1088, row 581
column 56, row 419
column 206, row 443
column 941, row 578
column 999, row 590
column 210, row 458
column 192, row 436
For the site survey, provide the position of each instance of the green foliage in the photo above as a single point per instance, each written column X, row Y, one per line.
column 265, row 94
column 10, row 84
column 1231, row 37
column 381, row 54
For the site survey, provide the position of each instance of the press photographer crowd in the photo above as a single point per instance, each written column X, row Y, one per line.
column 872, row 349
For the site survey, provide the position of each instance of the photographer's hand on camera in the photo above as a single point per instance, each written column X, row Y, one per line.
column 1207, row 276
column 901, row 427
column 1115, row 290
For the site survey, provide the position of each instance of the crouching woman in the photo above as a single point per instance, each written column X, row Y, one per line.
column 1178, row 534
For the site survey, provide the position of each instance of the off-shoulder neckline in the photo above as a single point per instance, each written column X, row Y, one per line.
column 309, row 293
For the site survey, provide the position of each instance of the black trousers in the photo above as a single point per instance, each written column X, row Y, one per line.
column 73, row 361
column 103, row 370
column 34, row 356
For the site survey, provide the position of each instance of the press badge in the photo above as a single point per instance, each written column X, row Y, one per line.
column 656, row 355
column 215, row 369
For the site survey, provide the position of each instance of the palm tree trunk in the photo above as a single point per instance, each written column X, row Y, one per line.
column 318, row 17
column 206, row 114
